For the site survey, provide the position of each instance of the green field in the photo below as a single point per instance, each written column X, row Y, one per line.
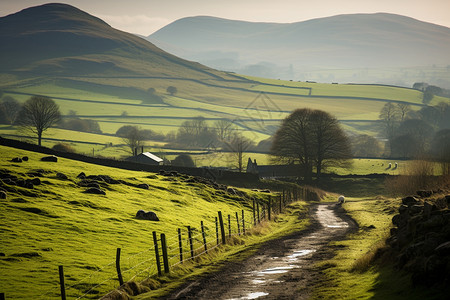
column 255, row 105
column 56, row 223
column 254, row 100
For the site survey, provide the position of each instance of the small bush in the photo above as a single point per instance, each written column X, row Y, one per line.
column 63, row 147
column 418, row 176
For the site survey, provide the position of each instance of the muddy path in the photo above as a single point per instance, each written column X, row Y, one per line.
column 280, row 269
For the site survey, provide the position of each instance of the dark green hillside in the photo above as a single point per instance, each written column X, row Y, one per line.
column 58, row 39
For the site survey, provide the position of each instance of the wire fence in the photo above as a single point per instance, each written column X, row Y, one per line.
column 167, row 253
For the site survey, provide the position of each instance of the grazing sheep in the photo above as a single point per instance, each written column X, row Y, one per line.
column 341, row 199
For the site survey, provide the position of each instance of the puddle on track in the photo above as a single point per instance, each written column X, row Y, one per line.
column 299, row 253
column 255, row 295
column 276, row 270
column 337, row 226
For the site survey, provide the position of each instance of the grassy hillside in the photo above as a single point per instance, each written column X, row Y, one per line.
column 108, row 75
column 56, row 223
column 60, row 39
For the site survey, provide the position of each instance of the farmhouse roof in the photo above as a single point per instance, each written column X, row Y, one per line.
column 152, row 156
column 146, row 157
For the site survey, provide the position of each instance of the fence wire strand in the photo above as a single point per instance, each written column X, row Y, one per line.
column 142, row 265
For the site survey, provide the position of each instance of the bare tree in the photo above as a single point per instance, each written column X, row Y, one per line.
column 313, row 139
column 196, row 133
column 38, row 114
column 133, row 138
column 237, row 145
column 403, row 109
column 224, row 129
column 390, row 120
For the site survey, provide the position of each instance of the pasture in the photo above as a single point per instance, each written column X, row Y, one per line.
column 56, row 223
column 255, row 104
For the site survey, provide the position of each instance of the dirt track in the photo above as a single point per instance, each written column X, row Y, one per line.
column 280, row 269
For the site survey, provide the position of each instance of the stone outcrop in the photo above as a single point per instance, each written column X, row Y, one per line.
column 421, row 239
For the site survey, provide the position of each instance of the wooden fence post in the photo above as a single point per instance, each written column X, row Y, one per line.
column 119, row 273
column 61, row 282
column 257, row 212
column 270, row 208
column 155, row 243
column 164, row 253
column 281, row 209
column 204, row 237
column 254, row 213
column 243, row 223
column 217, row 232
column 191, row 243
column 237, row 221
column 229, row 226
column 222, row 228
column 180, row 245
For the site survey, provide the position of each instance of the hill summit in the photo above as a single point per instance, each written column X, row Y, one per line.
column 59, row 39
column 291, row 50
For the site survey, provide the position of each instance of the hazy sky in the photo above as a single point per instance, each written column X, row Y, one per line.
column 146, row 16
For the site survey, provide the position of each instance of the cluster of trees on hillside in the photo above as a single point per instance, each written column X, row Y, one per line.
column 72, row 122
column 429, row 91
column 416, row 133
column 194, row 134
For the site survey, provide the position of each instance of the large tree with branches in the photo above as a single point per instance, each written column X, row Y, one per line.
column 314, row 140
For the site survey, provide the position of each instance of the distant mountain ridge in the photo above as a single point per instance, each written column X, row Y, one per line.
column 59, row 39
column 343, row 41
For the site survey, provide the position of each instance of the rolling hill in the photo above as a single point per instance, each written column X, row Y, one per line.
column 59, row 39
column 355, row 41
column 97, row 72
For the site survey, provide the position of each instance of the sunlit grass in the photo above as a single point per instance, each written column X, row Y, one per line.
column 65, row 226
column 352, row 273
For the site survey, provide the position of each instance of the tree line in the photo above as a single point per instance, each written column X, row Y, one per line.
column 193, row 134
column 412, row 134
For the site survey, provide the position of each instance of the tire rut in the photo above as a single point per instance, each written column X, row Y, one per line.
column 280, row 269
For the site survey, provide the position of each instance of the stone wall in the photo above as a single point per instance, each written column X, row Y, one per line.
column 218, row 175
column 420, row 242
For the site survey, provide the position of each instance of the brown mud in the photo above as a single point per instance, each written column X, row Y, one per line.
column 280, row 269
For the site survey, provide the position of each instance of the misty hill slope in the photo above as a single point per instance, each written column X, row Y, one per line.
column 58, row 39
column 343, row 41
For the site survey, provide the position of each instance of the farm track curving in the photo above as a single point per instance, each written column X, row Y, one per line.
column 280, row 269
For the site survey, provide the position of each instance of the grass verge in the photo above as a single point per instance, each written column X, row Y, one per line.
column 354, row 272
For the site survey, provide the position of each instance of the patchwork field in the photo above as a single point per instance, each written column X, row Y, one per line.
column 255, row 105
